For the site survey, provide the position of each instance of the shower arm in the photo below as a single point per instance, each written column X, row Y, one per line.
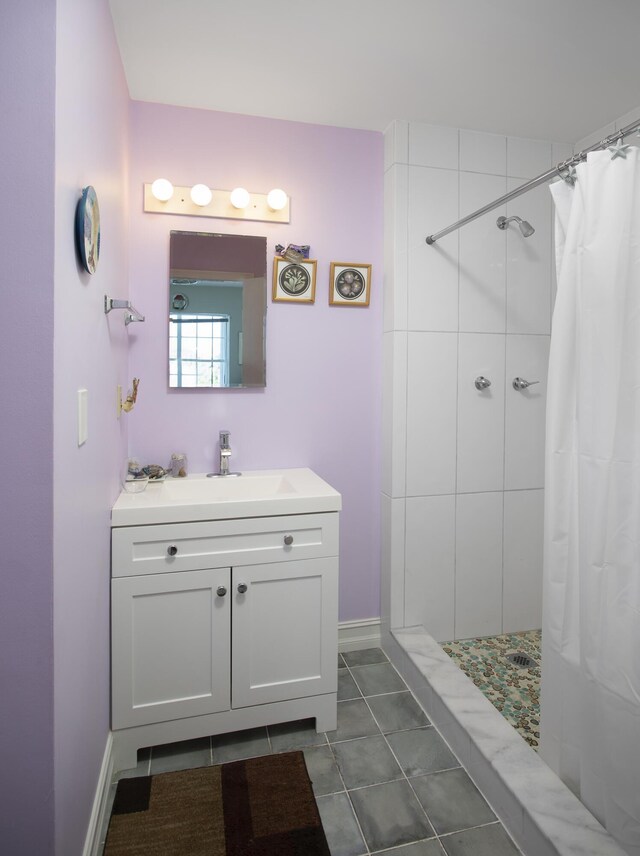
column 561, row 169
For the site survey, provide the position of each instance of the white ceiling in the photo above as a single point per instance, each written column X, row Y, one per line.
column 548, row 69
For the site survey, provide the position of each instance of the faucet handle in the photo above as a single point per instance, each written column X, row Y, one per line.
column 224, row 438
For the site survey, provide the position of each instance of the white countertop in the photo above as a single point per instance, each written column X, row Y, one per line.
column 257, row 493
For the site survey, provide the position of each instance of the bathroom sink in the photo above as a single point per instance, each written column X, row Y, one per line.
column 259, row 493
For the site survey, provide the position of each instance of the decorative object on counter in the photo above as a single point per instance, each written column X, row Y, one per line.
column 294, row 282
column 178, row 465
column 161, row 197
column 87, row 229
column 132, row 396
column 349, row 284
column 155, row 472
column 135, row 480
column 293, row 252
column 132, row 313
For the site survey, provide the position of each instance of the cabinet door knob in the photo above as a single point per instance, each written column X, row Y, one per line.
column 288, row 540
column 221, row 591
column 242, row 587
column 172, row 549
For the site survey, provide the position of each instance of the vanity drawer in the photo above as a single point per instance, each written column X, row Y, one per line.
column 221, row 543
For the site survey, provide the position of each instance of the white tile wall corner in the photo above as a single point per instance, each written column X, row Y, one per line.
column 522, row 563
column 394, row 413
column 395, row 248
column 396, row 143
column 432, row 380
column 529, row 263
column 480, row 413
column 482, row 301
column 478, row 592
column 528, row 358
column 393, row 560
column 483, row 153
column 527, row 158
column 433, row 269
column 430, row 564
column 433, row 145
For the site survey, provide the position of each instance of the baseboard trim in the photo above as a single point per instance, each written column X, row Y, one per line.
column 356, row 635
column 96, row 821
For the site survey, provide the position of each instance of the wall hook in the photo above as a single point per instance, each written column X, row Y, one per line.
column 132, row 312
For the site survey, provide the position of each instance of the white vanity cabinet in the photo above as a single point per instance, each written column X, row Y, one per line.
column 222, row 625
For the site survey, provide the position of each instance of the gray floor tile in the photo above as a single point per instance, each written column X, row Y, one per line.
column 421, row 750
column 365, row 657
column 240, row 745
column 420, row 848
column 367, row 761
column 397, row 712
column 181, row 756
column 381, row 678
column 340, row 827
column 354, row 720
column 451, row 800
column 287, row 736
column 341, row 662
column 347, row 687
column 323, row 770
column 482, row 841
column 390, row 815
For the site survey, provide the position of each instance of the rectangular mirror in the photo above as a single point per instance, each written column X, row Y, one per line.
column 217, row 310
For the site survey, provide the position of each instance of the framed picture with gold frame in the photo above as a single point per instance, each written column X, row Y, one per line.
column 349, row 284
column 294, row 282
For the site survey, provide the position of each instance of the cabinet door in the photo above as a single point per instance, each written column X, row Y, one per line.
column 170, row 646
column 285, row 631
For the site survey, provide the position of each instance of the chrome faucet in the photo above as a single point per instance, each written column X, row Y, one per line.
column 225, row 455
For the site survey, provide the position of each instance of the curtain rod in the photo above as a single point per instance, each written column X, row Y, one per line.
column 563, row 167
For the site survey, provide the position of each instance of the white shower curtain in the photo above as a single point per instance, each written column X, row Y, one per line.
column 590, row 728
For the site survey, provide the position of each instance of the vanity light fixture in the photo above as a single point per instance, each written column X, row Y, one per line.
column 276, row 199
column 162, row 189
column 240, row 197
column 162, row 197
column 201, row 194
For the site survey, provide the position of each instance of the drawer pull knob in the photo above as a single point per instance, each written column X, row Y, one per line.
column 172, row 549
column 242, row 587
column 288, row 540
column 221, row 591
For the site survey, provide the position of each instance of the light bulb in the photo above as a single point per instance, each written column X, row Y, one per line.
column 276, row 199
column 200, row 194
column 239, row 197
column 162, row 189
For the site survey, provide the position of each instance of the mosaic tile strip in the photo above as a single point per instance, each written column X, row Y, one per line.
column 513, row 690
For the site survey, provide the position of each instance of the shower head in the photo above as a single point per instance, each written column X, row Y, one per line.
column 525, row 227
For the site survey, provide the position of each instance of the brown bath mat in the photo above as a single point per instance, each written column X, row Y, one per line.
column 260, row 807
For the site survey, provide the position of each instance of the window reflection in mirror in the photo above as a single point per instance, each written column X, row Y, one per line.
column 217, row 309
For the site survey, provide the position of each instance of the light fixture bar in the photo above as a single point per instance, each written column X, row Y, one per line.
column 220, row 206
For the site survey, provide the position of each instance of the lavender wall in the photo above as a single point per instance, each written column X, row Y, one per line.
column 27, row 69
column 90, row 352
column 321, row 407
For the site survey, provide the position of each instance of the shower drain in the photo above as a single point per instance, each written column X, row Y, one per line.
column 521, row 660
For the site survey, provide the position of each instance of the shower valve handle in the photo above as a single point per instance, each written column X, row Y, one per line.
column 521, row 383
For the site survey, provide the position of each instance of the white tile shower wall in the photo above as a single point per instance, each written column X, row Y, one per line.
column 478, row 578
column 463, row 532
column 430, row 563
column 482, row 257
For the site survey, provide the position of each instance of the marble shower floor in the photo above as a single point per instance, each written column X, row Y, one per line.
column 513, row 690
column 385, row 781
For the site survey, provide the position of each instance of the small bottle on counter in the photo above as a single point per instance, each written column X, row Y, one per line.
column 178, row 465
